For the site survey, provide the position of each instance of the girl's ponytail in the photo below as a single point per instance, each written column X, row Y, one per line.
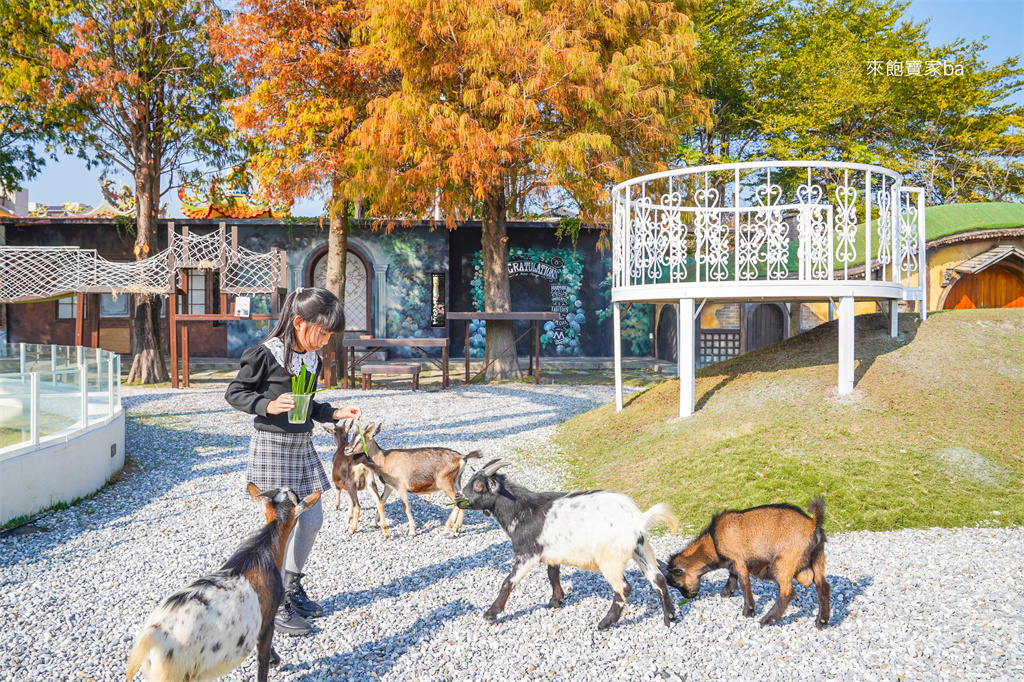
column 315, row 306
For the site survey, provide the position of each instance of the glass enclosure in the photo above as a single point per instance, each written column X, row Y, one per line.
column 49, row 393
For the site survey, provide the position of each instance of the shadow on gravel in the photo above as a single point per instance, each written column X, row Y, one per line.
column 159, row 456
column 805, row 599
column 411, row 582
column 372, row 660
column 580, row 585
column 466, row 429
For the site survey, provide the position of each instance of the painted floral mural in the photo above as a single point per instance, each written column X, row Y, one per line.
column 554, row 275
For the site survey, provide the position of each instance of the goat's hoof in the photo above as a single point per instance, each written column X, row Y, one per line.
column 726, row 592
column 555, row 604
column 275, row 660
column 768, row 620
column 821, row 624
column 490, row 616
column 748, row 612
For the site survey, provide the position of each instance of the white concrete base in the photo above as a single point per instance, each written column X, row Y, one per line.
column 69, row 469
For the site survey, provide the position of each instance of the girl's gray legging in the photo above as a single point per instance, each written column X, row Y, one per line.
column 301, row 541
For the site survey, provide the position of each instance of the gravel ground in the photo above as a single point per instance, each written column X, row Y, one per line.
column 921, row 604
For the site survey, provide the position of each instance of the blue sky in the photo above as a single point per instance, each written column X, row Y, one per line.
column 1001, row 20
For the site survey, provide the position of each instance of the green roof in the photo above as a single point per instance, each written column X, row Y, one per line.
column 954, row 218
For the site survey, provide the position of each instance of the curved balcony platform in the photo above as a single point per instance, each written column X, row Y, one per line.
column 792, row 231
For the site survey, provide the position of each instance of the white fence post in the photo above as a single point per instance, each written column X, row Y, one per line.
column 110, row 385
column 53, row 365
column 34, row 409
column 21, row 354
column 83, row 384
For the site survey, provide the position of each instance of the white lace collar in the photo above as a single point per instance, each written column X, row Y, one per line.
column 276, row 347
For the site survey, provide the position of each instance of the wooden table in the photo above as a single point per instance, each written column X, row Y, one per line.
column 373, row 345
column 532, row 318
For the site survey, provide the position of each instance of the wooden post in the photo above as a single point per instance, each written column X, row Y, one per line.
column 444, row 366
column 79, row 317
column 94, row 332
column 172, row 307
column 536, row 344
column 223, row 269
column 467, row 352
column 184, row 354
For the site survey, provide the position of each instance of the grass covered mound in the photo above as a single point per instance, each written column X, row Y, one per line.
column 933, row 434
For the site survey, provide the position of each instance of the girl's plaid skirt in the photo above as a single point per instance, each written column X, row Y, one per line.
column 286, row 460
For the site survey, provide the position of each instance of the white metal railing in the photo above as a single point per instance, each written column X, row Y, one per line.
column 771, row 221
column 52, row 393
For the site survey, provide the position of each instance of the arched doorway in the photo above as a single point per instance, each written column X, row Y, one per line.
column 668, row 329
column 358, row 295
column 994, row 287
column 765, row 325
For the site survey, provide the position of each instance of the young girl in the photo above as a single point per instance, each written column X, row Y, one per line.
column 281, row 454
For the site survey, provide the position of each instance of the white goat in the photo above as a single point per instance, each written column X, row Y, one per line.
column 207, row 629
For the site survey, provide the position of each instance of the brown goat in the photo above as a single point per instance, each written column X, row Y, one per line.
column 413, row 470
column 776, row 541
column 352, row 477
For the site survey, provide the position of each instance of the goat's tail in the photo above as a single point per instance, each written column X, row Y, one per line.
column 471, row 455
column 660, row 513
column 138, row 654
column 817, row 510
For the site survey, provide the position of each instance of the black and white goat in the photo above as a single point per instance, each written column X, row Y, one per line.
column 596, row 530
column 207, row 629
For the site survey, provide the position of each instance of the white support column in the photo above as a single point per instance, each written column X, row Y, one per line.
column 686, row 356
column 617, row 352
column 894, row 318
column 845, row 345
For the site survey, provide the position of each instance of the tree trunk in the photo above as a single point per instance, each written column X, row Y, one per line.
column 497, row 297
column 148, row 362
column 337, row 254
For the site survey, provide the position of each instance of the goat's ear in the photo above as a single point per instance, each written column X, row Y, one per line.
column 376, row 429
column 254, row 492
column 329, row 428
column 307, row 502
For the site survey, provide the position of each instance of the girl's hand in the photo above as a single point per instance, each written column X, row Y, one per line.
column 347, row 412
column 281, row 404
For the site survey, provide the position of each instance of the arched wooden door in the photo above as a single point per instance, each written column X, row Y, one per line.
column 766, row 326
column 357, row 288
column 668, row 330
column 994, row 287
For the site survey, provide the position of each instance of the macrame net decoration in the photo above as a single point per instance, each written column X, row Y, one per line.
column 44, row 272
column 32, row 273
column 252, row 273
column 29, row 273
column 201, row 252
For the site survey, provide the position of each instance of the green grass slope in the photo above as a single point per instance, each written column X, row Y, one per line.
column 953, row 218
column 933, row 434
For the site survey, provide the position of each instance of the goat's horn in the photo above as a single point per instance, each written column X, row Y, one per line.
column 492, row 467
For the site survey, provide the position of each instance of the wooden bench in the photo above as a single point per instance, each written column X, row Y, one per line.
column 368, row 370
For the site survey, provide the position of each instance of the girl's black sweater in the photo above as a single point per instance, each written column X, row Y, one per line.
column 261, row 379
